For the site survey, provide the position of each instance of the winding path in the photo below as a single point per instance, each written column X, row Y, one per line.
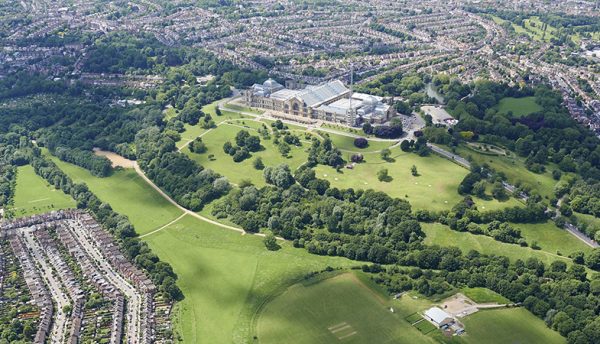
column 186, row 211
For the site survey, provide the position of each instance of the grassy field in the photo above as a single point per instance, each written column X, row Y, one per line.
column 341, row 308
column 438, row 234
column 514, row 169
column 236, row 172
column 243, row 108
column 435, row 188
column 551, row 238
column 511, row 325
column 193, row 131
column 483, row 295
column 346, row 143
column 227, row 277
column 128, row 194
column 534, row 26
column 33, row 195
column 519, row 106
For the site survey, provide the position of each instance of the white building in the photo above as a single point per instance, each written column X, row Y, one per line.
column 331, row 102
column 438, row 317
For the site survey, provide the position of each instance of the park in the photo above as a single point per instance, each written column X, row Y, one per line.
column 266, row 291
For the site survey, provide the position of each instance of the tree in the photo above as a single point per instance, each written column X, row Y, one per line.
column 279, row 176
column 252, row 143
column 271, row 242
column 405, row 145
column 402, row 107
column 385, row 154
column 367, row 128
column 592, row 260
column 479, row 188
column 361, row 142
column 383, row 175
column 413, row 171
column 284, row 149
column 241, row 136
column 218, row 111
column 498, row 192
column 197, row 146
column 258, row 163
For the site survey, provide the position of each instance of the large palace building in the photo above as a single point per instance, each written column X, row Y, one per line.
column 331, row 102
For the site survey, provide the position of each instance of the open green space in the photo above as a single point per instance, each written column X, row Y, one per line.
column 435, row 188
column 243, row 108
column 33, row 195
column 509, row 325
column 226, row 277
column 438, row 234
column 128, row 194
column 551, row 238
column 534, row 26
column 346, row 143
column 514, row 169
column 339, row 309
column 483, row 295
column 193, row 131
column 518, row 106
column 236, row 172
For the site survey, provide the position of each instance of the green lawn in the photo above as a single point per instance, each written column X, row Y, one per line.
column 339, row 309
column 227, row 277
column 436, row 187
column 346, row 143
column 534, row 26
column 193, row 131
column 128, row 194
column 483, row 295
column 438, row 234
column 551, row 238
column 243, row 108
column 519, row 106
column 33, row 195
column 511, row 325
column 236, row 172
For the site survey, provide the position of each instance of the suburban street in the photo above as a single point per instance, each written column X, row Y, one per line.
column 60, row 324
column 134, row 298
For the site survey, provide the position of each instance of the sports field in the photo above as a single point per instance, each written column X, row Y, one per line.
column 510, row 325
column 226, row 277
column 340, row 309
column 519, row 106
column 33, row 195
column 236, row 172
column 128, row 194
column 436, row 187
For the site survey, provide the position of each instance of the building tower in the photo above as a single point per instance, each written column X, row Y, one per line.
column 351, row 113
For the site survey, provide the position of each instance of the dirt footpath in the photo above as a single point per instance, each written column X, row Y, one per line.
column 115, row 159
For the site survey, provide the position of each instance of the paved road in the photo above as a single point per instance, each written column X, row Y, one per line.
column 512, row 189
column 449, row 155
